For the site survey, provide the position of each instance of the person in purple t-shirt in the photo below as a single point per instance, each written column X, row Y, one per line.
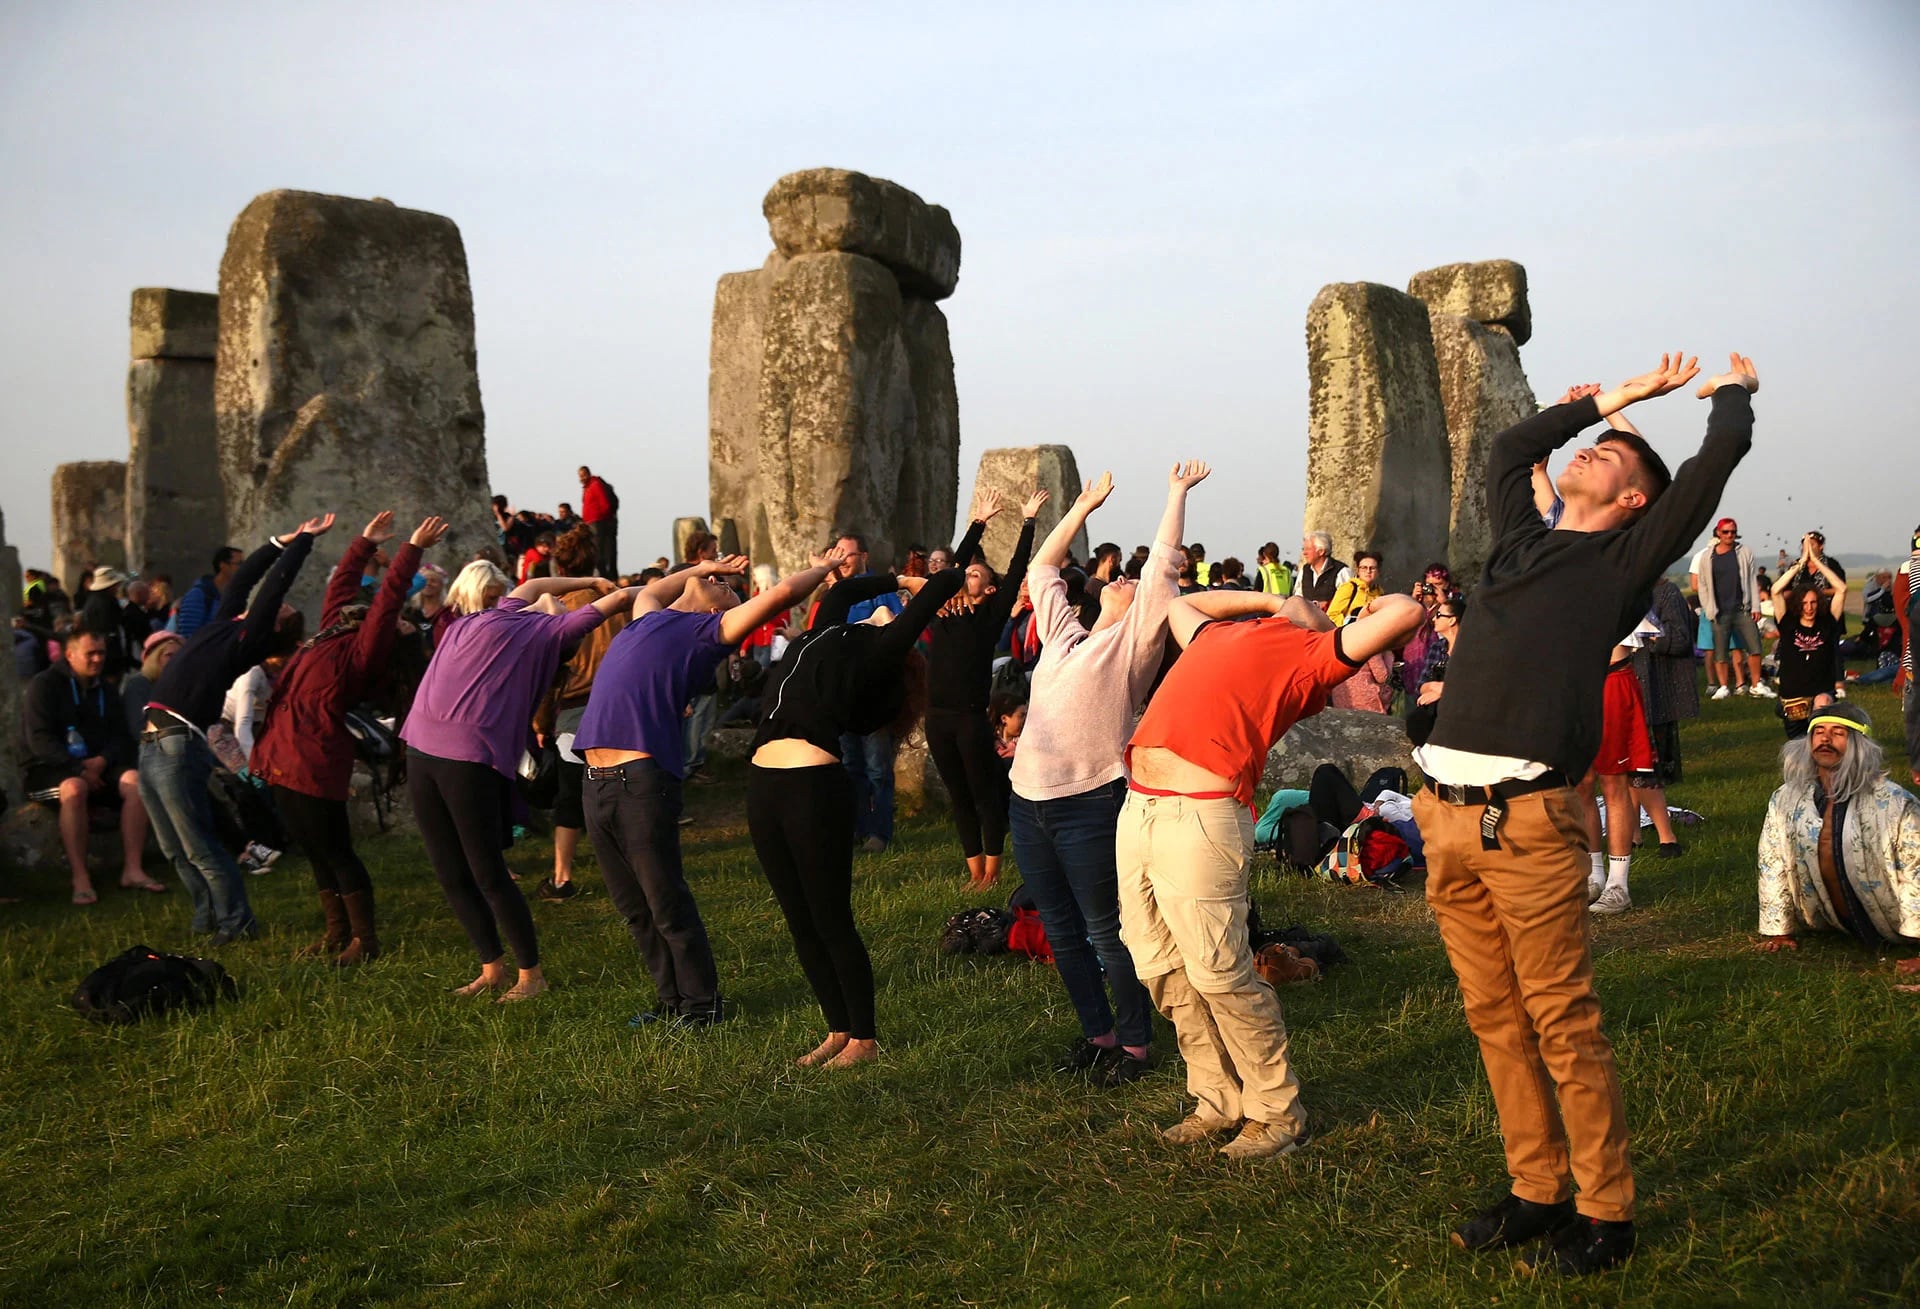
column 634, row 743
column 465, row 734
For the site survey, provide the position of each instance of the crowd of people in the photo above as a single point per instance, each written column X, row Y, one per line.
column 1110, row 716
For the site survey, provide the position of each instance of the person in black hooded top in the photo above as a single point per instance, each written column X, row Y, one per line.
column 959, row 684
column 838, row 677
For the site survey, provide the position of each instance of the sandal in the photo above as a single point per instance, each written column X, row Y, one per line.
column 145, row 884
column 86, row 897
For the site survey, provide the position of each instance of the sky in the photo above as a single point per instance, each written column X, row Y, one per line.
column 1148, row 199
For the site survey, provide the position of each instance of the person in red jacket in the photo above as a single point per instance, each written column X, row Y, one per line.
column 304, row 752
column 599, row 509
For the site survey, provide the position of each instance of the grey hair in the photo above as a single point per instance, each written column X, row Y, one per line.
column 1322, row 539
column 1863, row 764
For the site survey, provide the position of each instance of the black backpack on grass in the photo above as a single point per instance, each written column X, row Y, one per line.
column 143, row 982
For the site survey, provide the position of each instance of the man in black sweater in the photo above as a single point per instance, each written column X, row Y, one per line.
column 176, row 762
column 1505, row 830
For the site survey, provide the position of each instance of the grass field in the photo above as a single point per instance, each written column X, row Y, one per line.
column 369, row 1138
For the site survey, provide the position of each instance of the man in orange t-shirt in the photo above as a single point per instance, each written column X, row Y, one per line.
column 1186, row 834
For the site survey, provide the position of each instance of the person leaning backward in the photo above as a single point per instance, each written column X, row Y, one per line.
column 1505, row 830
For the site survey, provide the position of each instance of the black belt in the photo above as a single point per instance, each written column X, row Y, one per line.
column 616, row 771
column 162, row 733
column 1447, row 793
column 1495, row 799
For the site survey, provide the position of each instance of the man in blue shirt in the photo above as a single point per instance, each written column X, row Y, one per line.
column 203, row 597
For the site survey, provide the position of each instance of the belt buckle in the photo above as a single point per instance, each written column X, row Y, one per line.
column 1453, row 793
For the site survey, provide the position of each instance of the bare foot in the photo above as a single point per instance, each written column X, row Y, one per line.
column 856, row 1052
column 493, row 977
column 827, row 1049
column 532, row 982
column 137, row 880
column 1907, row 966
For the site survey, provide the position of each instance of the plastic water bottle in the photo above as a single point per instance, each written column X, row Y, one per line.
column 76, row 744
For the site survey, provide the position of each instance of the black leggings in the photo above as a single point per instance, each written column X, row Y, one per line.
column 321, row 831
column 1332, row 797
column 961, row 744
column 462, row 810
column 569, row 810
column 802, row 825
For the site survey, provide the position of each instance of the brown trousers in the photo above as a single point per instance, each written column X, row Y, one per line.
column 1515, row 925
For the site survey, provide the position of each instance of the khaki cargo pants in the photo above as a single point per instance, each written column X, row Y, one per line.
column 1183, row 917
column 1515, row 925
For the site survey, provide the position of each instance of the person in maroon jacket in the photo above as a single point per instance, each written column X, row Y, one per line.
column 304, row 752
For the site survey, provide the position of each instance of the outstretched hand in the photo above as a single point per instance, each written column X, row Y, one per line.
column 1739, row 373
column 1675, row 371
column 1578, row 391
column 381, row 528
column 1188, row 475
column 315, row 526
column 725, row 566
column 1095, row 493
column 430, row 531
column 831, row 558
column 991, row 502
column 1034, row 503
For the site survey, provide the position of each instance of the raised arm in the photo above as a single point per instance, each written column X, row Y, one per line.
column 1680, row 515
column 897, row 637
column 263, row 613
column 380, row 629
column 1053, row 550
column 1514, row 454
column 663, row 591
column 343, row 588
column 1189, row 613
column 998, row 607
column 1173, row 519
column 1385, row 624
column 534, row 588
column 739, row 622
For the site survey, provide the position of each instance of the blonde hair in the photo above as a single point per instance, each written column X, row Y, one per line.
column 468, row 594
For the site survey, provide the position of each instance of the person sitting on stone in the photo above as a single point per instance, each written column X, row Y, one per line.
column 79, row 747
column 1320, row 573
column 1358, row 591
column 1840, row 848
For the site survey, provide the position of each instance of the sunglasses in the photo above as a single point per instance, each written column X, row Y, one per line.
column 1725, row 531
column 1441, row 613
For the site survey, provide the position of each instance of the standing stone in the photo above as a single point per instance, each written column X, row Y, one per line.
column 1490, row 291
column 836, row 407
column 733, row 406
column 1378, row 463
column 176, row 503
column 1016, row 472
column 831, row 397
column 12, row 719
column 818, row 210
column 728, row 533
column 683, row 528
column 346, row 379
column 89, row 519
column 1485, row 391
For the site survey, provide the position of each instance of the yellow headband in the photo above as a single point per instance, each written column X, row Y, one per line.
column 1835, row 720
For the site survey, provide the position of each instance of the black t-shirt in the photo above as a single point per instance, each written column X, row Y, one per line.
column 1806, row 655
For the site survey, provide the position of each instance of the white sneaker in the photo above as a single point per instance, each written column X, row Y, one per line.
column 1761, row 691
column 1720, row 693
column 1839, row 692
column 1612, row 902
column 1596, row 883
column 260, row 858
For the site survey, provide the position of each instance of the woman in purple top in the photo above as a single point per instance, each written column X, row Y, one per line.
column 465, row 734
column 634, row 741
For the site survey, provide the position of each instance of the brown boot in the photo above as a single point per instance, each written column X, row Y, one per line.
column 366, row 942
column 339, row 933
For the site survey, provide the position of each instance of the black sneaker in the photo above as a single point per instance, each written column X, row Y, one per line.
column 552, row 890
column 1127, row 1068
column 1587, row 1245
column 1671, row 849
column 1513, row 1221
column 1085, row 1057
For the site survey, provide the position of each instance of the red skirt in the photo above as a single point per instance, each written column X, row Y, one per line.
column 1625, row 746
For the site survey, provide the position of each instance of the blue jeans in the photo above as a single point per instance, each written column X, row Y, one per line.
column 174, row 776
column 705, row 708
column 869, row 761
column 1065, row 849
